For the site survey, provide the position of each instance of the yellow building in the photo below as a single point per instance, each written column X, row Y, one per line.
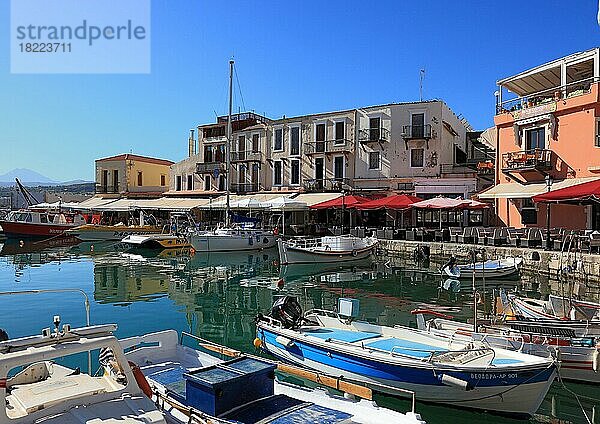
column 131, row 175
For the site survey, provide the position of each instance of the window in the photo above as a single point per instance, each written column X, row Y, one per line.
column 319, row 172
column 277, row 172
column 208, row 154
column 115, row 180
column 221, row 182
column 254, row 176
column 104, row 180
column 178, row 183
column 278, row 145
column 242, row 147
column 242, row 174
column 528, row 212
column 219, row 153
column 320, row 138
column 535, row 139
column 416, row 158
column 295, row 171
column 140, row 179
column 338, row 167
column 207, row 183
column 340, row 132
column 374, row 129
column 373, row 160
column 417, row 121
column 190, row 182
column 255, row 143
column 163, row 180
column 295, row 141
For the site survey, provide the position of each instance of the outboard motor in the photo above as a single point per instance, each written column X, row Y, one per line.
column 288, row 311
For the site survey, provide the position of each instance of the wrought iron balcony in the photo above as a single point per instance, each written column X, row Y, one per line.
column 527, row 160
column 373, row 135
column 328, row 146
column 327, row 184
column 246, row 187
column 209, row 167
column 246, row 156
column 107, row 189
column 416, row 132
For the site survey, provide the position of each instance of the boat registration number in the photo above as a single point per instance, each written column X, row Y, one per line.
column 493, row 376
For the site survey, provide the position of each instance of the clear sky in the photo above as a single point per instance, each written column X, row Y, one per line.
column 292, row 58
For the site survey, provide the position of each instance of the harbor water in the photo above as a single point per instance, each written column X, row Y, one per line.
column 217, row 296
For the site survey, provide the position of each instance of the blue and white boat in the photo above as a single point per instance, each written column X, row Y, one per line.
column 395, row 359
column 493, row 268
column 192, row 386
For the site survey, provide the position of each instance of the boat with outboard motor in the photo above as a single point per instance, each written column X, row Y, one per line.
column 575, row 344
column 325, row 249
column 195, row 386
column 556, row 307
column 36, row 387
column 492, row 269
column 393, row 359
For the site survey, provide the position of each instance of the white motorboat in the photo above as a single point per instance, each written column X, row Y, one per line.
column 99, row 232
column 194, row 386
column 325, row 249
column 438, row 369
column 231, row 239
column 492, row 269
column 156, row 241
column 35, row 387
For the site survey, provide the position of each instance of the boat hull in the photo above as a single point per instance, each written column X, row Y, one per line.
column 33, row 230
column 107, row 233
column 210, row 242
column 515, row 393
column 290, row 254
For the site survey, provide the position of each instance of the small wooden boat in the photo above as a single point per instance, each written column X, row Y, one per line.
column 45, row 390
column 156, row 241
column 393, row 359
column 325, row 249
column 492, row 269
column 195, row 386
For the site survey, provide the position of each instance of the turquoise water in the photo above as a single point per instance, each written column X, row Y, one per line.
column 218, row 296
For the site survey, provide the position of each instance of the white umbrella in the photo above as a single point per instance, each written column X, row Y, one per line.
column 285, row 203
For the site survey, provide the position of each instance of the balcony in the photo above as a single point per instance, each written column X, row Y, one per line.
column 107, row 189
column 209, row 167
column 416, row 132
column 246, row 187
column 327, row 184
column 528, row 165
column 373, row 135
column 328, row 147
column 246, row 156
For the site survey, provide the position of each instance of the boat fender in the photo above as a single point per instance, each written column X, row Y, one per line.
column 448, row 380
column 354, row 253
column 596, row 361
column 275, row 231
column 257, row 342
column 287, row 343
column 140, row 379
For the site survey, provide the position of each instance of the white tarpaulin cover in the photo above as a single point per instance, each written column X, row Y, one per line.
column 526, row 191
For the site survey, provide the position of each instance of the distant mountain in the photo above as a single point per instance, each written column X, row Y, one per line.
column 74, row 182
column 27, row 177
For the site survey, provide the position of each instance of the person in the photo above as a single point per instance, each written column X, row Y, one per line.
column 3, row 335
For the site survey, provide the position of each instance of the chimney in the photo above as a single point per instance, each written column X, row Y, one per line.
column 191, row 144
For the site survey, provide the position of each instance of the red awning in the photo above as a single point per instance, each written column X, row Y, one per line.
column 577, row 193
column 448, row 203
column 342, row 201
column 396, row 201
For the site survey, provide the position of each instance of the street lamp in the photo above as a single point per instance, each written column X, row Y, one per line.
column 549, row 182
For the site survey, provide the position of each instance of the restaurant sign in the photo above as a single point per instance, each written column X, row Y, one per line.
column 534, row 111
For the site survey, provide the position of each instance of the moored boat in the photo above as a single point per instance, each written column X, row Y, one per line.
column 194, row 386
column 325, row 249
column 492, row 269
column 437, row 369
column 39, row 224
column 232, row 239
column 99, row 232
column 156, row 241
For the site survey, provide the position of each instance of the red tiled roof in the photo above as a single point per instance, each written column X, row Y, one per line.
column 129, row 156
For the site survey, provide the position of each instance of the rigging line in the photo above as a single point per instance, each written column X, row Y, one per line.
column 239, row 88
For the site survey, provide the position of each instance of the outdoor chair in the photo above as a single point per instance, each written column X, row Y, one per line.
column 499, row 236
column 514, row 236
column 354, row 232
column 483, row 235
column 595, row 242
column 411, row 234
column 466, row 237
column 360, row 232
column 533, row 238
column 454, row 232
column 381, row 233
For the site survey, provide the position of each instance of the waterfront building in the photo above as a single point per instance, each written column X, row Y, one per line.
column 129, row 175
column 547, row 137
column 420, row 148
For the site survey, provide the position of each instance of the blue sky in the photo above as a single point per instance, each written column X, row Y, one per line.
column 292, row 58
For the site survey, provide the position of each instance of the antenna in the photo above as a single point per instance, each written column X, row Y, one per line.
column 421, row 78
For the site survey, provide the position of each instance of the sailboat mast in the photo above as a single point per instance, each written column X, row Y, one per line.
column 228, row 145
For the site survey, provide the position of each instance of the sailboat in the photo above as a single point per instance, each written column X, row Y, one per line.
column 243, row 236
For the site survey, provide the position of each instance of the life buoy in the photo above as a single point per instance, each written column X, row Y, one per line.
column 354, row 253
column 140, row 379
column 275, row 231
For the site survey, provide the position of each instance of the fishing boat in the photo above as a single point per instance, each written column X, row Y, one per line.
column 28, row 223
column 325, row 249
column 99, row 232
column 195, row 386
column 575, row 344
column 492, row 269
column 232, row 238
column 36, row 387
column 393, row 359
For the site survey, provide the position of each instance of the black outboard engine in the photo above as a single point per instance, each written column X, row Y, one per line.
column 288, row 311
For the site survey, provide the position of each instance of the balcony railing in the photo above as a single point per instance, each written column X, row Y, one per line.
column 327, row 184
column 328, row 146
column 107, row 189
column 527, row 160
column 246, row 156
column 416, row 132
column 548, row 96
column 209, row 167
column 246, row 187
column 370, row 135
